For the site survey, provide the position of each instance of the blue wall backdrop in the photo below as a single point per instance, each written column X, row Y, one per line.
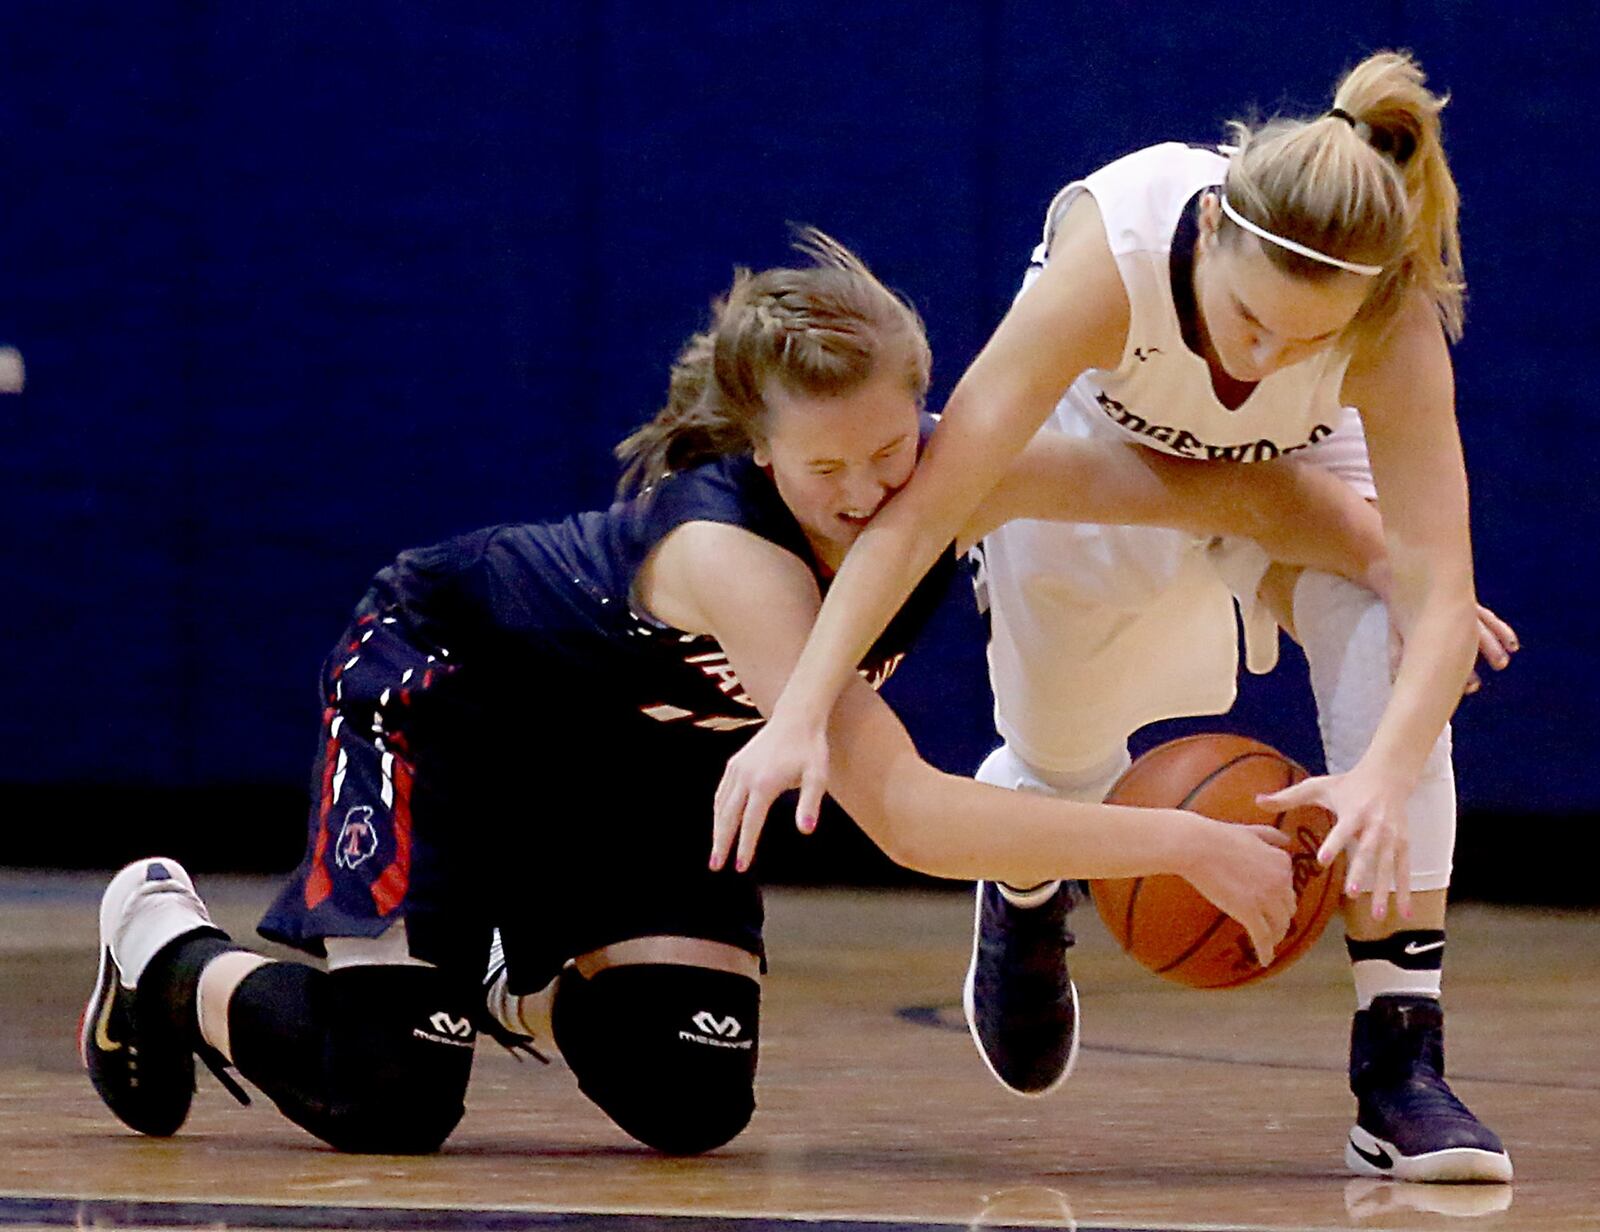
column 301, row 284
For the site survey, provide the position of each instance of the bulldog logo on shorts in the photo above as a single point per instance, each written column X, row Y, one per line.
column 358, row 838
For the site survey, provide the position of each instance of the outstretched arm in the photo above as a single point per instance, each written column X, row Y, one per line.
column 758, row 601
column 1406, row 391
column 1072, row 318
column 1299, row 514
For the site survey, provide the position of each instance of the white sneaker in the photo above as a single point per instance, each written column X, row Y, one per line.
column 143, row 1072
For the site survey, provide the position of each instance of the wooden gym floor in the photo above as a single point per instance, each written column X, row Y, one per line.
column 1188, row 1110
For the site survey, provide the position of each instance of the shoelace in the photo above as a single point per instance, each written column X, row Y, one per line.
column 1034, row 958
column 519, row 1046
column 219, row 1067
column 513, row 1043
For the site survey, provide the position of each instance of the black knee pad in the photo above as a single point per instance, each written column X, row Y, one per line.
column 669, row 1052
column 369, row 1059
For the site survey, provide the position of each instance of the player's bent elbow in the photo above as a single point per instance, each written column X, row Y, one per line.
column 920, row 851
column 893, row 810
column 892, row 834
column 906, row 826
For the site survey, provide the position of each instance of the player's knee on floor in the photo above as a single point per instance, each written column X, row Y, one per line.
column 369, row 1059
column 668, row 1052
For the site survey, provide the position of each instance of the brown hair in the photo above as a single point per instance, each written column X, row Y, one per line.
column 1374, row 188
column 820, row 330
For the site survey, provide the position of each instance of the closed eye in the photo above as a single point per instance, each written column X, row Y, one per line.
column 1253, row 320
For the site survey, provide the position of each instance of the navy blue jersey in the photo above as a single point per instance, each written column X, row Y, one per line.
column 551, row 605
column 477, row 671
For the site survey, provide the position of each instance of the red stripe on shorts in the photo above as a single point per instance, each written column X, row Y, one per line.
column 318, row 883
column 389, row 890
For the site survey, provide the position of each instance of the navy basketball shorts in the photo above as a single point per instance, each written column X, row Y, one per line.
column 463, row 795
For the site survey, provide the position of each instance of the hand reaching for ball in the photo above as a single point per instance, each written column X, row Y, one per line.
column 1250, row 896
column 1246, row 872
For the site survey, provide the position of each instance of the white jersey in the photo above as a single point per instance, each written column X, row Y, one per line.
column 1161, row 395
column 1098, row 630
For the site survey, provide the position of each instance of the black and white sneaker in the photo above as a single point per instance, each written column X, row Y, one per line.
column 1409, row 1123
column 1021, row 1006
column 142, row 1066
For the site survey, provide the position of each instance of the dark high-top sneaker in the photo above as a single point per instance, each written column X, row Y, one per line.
column 1409, row 1124
column 1021, row 1006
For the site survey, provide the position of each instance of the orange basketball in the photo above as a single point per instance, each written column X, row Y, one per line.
column 1163, row 921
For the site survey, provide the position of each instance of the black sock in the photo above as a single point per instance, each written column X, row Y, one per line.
column 1408, row 963
column 169, row 985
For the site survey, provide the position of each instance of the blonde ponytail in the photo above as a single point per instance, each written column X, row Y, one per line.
column 688, row 429
column 1366, row 182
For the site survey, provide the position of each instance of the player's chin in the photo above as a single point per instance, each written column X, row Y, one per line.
column 848, row 529
column 1238, row 365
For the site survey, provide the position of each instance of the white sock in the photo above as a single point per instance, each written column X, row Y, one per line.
column 1033, row 896
column 523, row 1013
column 221, row 976
column 1378, row 979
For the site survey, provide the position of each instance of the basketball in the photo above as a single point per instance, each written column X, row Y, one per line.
column 1163, row 921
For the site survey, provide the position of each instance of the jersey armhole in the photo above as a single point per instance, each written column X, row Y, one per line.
column 1064, row 200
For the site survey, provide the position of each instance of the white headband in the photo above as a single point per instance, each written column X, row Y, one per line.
column 1355, row 267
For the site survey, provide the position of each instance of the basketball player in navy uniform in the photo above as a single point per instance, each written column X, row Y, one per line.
column 627, row 654
column 1291, row 295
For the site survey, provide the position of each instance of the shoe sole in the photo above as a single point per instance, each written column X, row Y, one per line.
column 99, row 1003
column 1457, row 1164
column 969, row 1008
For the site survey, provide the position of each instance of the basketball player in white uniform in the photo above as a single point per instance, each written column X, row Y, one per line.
column 1292, row 295
column 659, row 629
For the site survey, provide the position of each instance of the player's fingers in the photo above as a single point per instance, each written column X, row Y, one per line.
column 1502, row 631
column 1491, row 649
column 1402, row 881
column 1359, row 865
column 1382, row 882
column 1338, row 839
column 1262, row 940
column 1366, row 859
column 1288, row 904
column 756, row 803
column 805, row 815
column 750, row 832
column 1287, row 900
column 724, row 826
column 1286, row 798
column 1274, row 838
